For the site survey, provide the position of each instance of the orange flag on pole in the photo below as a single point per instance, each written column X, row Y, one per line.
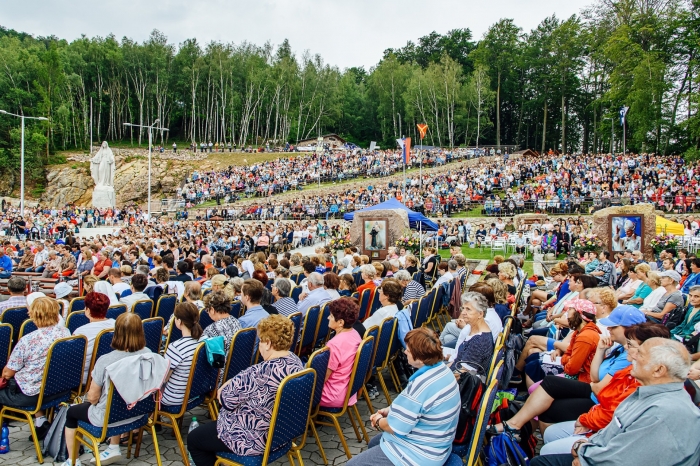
column 422, row 129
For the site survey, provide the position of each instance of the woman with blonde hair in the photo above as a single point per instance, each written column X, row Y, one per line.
column 221, row 283
column 247, row 400
column 89, row 283
column 657, row 291
column 25, row 368
column 643, row 290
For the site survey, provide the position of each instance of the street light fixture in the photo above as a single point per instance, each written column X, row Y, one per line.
column 150, row 143
column 21, row 184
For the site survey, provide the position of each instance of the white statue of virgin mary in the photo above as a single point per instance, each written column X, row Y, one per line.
column 102, row 166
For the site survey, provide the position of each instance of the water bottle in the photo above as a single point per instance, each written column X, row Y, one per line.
column 5, row 440
column 193, row 425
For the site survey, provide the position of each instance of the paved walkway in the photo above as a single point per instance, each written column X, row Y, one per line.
column 22, row 450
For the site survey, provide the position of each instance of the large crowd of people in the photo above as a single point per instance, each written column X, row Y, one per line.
column 609, row 367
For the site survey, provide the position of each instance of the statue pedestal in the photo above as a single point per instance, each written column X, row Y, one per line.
column 104, row 197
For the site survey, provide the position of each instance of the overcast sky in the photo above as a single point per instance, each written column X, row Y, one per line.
column 344, row 32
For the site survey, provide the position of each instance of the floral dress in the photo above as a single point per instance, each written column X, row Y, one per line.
column 247, row 404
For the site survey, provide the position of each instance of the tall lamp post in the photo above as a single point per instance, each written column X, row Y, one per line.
column 150, row 144
column 21, row 188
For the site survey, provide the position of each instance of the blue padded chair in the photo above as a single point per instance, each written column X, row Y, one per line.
column 5, row 343
column 126, row 293
column 357, row 276
column 373, row 332
column 365, row 304
column 101, row 346
column 14, row 316
column 296, row 292
column 387, row 330
column 201, row 384
column 498, row 355
column 471, row 450
column 318, row 361
column 28, row 326
column 375, row 304
column 63, row 373
column 153, row 292
column 153, row 329
column 296, row 319
column 174, row 334
column 290, row 417
column 204, row 319
column 363, row 360
column 454, row 460
column 308, row 330
column 143, row 308
column 323, row 329
column 297, row 278
column 91, row 436
column 240, row 352
column 115, row 311
column 425, row 307
column 76, row 304
column 75, row 320
column 166, row 306
column 239, row 358
column 236, row 308
column 268, row 285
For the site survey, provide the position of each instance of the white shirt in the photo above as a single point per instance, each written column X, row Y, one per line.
column 91, row 331
column 120, row 287
column 652, row 299
column 380, row 314
column 446, row 277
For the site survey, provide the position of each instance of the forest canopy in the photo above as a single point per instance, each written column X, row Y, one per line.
column 559, row 86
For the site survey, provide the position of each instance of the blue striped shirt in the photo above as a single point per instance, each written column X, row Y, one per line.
column 424, row 419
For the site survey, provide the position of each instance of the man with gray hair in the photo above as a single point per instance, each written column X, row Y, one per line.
column 283, row 303
column 317, row 294
column 656, row 425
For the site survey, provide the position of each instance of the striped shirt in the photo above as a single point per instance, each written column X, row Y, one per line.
column 424, row 419
column 414, row 290
column 180, row 354
column 286, row 306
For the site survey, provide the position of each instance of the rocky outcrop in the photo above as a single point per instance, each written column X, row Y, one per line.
column 72, row 183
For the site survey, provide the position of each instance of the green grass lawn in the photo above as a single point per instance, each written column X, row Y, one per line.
column 477, row 254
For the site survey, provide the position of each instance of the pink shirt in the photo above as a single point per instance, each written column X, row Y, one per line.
column 343, row 348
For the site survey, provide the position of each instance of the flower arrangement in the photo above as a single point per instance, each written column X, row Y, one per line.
column 408, row 241
column 588, row 243
column 661, row 242
column 339, row 243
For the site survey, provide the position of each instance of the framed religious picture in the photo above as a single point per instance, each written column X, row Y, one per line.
column 375, row 238
column 626, row 233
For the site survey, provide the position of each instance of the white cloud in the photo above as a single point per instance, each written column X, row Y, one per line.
column 344, row 33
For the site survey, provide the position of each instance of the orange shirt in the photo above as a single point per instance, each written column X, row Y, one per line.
column 620, row 387
column 578, row 357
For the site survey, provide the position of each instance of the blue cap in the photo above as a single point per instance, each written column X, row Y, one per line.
column 624, row 315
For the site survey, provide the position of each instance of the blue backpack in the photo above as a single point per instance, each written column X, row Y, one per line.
column 503, row 449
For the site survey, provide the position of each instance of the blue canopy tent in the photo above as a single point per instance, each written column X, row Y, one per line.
column 416, row 221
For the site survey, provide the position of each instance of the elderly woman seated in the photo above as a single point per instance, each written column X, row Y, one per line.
column 25, row 368
column 477, row 348
column 247, row 399
column 412, row 290
column 411, row 434
column 129, row 340
column 343, row 346
column 390, row 293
